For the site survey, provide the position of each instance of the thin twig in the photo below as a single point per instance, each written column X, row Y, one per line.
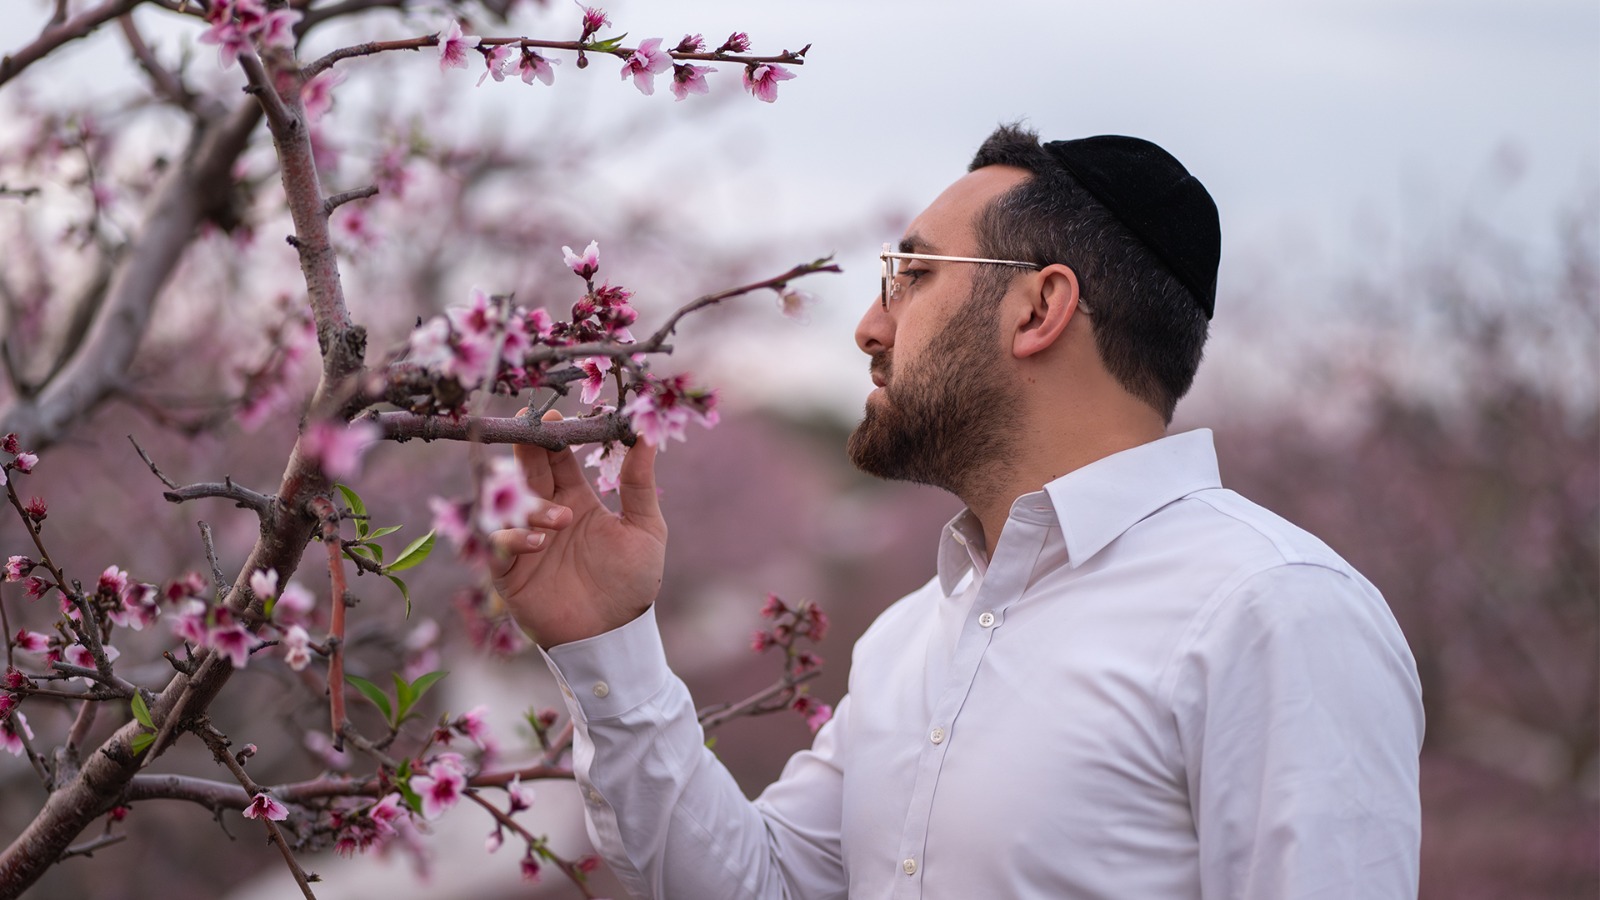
column 715, row 716
column 568, row 868
column 147, row 461
column 221, row 581
column 328, row 514
column 558, row 435
column 57, row 34
column 338, row 200
column 370, row 48
column 278, row 115
column 81, row 724
column 87, row 848
column 215, row 740
column 243, row 496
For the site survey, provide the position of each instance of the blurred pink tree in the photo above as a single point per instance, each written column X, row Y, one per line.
column 146, row 270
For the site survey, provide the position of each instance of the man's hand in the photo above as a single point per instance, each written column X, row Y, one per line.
column 579, row 569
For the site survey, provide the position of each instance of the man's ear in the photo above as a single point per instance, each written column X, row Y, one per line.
column 1050, row 306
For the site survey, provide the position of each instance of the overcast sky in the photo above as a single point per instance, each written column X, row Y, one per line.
column 1321, row 128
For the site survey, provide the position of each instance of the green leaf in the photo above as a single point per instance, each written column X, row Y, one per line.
column 375, row 694
column 413, row 554
column 424, row 682
column 404, row 697
column 404, row 592
column 411, row 797
column 141, row 712
column 359, row 509
column 371, row 552
column 142, row 741
column 607, row 45
column 381, row 532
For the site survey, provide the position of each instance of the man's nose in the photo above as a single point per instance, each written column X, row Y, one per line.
column 875, row 331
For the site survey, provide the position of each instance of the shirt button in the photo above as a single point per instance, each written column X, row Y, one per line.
column 937, row 736
column 602, row 690
column 986, row 620
column 594, row 796
column 910, row 866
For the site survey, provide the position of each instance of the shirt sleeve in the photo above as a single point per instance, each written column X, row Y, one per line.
column 663, row 810
column 1300, row 716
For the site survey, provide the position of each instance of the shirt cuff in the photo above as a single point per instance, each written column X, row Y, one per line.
column 610, row 674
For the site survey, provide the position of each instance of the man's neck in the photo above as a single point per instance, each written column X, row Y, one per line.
column 1032, row 469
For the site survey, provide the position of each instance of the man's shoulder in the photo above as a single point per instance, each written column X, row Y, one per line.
column 1227, row 527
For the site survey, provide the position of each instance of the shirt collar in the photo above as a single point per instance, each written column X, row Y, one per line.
column 1094, row 505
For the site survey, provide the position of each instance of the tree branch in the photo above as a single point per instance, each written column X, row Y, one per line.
column 57, row 34
column 338, row 200
column 243, row 496
column 402, row 426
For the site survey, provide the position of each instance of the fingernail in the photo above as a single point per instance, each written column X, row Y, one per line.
column 535, row 540
column 551, row 515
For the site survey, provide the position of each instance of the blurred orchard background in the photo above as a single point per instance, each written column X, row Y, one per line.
column 1404, row 357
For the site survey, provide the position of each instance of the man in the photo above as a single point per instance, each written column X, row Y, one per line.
column 1124, row 681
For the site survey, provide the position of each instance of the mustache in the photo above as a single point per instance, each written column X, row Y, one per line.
column 881, row 366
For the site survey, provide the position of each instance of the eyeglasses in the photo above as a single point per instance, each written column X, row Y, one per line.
column 892, row 270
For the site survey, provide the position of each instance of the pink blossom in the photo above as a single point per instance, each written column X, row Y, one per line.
column 35, row 587
column 691, row 43
column 10, row 738
column 450, row 520
column 773, row 607
column 584, row 266
column 79, row 655
column 355, row 225
column 36, row 509
column 538, row 324
column 264, row 584
column 296, row 648
column 17, row 567
column 608, row 459
column 137, row 607
column 232, row 640
column 31, row 641
column 495, row 61
column 440, row 789
column 819, row 716
column 762, row 81
column 294, row 605
column 14, row 678
column 645, row 64
column 816, row 623
column 495, row 840
column 479, row 318
column 386, row 812
column 338, row 447
column 665, row 408
column 795, row 303
column 264, row 806
column 231, row 39
column 588, row 864
column 26, row 462
column 521, row 796
column 430, row 344
column 10, row 443
column 316, row 95
column 531, row 65
column 391, row 174
column 530, row 867
column 761, row 640
column 738, row 42
column 506, row 500
column 594, row 369
column 190, row 623
column 472, row 724
column 593, row 20
column 690, row 79
column 113, row 581
column 277, row 28
column 453, row 47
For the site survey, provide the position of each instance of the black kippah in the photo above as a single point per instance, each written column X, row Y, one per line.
column 1157, row 199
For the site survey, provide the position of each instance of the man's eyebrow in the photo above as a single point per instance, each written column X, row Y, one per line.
column 915, row 243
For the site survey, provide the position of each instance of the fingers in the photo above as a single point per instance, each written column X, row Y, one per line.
column 535, row 463
column 636, row 484
column 511, row 544
column 564, row 467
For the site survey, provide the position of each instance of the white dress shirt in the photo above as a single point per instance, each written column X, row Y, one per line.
column 1155, row 689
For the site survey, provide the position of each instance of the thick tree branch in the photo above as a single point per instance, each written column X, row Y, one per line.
column 184, row 198
column 401, row 426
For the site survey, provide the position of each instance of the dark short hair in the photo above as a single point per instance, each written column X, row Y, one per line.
column 1148, row 327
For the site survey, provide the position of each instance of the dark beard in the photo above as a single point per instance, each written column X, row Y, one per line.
column 946, row 419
